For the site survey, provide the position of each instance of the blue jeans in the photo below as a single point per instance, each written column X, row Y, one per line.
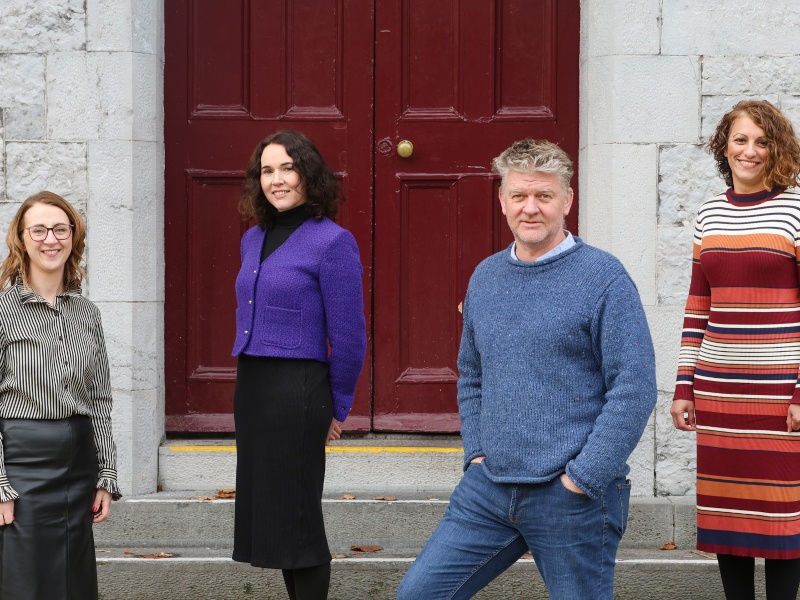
column 489, row 525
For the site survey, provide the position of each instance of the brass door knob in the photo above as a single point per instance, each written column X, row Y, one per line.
column 405, row 149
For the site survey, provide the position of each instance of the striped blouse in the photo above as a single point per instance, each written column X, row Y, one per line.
column 53, row 365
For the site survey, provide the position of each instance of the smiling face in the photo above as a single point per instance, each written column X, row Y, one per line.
column 47, row 257
column 280, row 181
column 747, row 152
column 535, row 206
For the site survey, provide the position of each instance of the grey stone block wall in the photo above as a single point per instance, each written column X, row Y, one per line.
column 81, row 113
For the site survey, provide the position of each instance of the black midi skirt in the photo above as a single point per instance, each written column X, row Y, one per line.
column 283, row 410
column 47, row 553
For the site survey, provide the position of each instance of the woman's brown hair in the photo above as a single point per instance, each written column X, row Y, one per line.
column 18, row 261
column 782, row 166
column 320, row 185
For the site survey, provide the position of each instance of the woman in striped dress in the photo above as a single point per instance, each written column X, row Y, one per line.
column 737, row 383
column 57, row 457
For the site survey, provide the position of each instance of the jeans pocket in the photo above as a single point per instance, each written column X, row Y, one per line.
column 624, row 494
column 569, row 491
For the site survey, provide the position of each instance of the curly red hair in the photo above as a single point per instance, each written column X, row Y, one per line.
column 782, row 167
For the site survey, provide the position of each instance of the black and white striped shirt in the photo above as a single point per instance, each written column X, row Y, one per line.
column 53, row 365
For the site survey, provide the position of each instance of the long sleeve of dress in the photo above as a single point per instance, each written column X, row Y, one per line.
column 695, row 321
column 796, row 395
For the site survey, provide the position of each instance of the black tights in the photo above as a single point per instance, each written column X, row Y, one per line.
column 310, row 583
column 738, row 574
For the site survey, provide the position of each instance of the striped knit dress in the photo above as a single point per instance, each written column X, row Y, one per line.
column 739, row 361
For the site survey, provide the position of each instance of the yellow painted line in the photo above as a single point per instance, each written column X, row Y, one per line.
column 344, row 449
column 391, row 449
column 203, row 448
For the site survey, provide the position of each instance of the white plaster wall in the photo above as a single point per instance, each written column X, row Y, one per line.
column 81, row 114
column 656, row 76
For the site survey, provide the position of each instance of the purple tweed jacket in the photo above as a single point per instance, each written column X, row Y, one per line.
column 305, row 298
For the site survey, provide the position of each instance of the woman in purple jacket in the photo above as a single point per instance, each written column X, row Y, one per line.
column 301, row 341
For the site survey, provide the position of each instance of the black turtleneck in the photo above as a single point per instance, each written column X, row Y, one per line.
column 285, row 224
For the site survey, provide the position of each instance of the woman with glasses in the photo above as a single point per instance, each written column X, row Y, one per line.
column 57, row 457
column 300, row 343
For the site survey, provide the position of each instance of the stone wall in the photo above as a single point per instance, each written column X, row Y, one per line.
column 656, row 76
column 81, row 114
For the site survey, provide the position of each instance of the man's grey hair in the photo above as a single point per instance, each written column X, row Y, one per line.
column 534, row 156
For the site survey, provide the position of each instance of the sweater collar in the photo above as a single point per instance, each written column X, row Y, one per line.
column 292, row 218
column 754, row 198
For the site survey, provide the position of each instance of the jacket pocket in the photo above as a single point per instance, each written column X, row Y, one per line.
column 281, row 327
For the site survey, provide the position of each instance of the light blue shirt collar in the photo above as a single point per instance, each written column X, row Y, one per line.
column 568, row 243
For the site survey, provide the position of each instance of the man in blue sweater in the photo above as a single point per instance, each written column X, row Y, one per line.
column 557, row 381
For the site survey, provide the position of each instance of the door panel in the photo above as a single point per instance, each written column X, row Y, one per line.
column 461, row 80
column 526, row 59
column 209, row 194
column 234, row 73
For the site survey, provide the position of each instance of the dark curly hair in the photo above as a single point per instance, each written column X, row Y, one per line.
column 322, row 188
column 782, row 166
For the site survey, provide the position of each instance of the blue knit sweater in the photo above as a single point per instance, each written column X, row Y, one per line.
column 557, row 369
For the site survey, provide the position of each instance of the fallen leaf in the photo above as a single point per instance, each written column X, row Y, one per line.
column 365, row 548
column 160, row 488
column 126, row 552
column 338, row 556
column 348, row 497
column 669, row 546
column 226, row 493
column 159, row 555
column 385, row 498
column 205, row 498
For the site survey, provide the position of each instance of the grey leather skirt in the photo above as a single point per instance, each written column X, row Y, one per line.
column 47, row 553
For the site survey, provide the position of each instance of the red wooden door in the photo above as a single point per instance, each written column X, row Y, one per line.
column 461, row 80
column 236, row 71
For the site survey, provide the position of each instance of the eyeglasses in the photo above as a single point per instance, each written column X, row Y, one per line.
column 39, row 233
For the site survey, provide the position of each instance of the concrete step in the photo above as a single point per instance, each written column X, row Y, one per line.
column 410, row 463
column 419, row 471
column 176, row 520
column 205, row 573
